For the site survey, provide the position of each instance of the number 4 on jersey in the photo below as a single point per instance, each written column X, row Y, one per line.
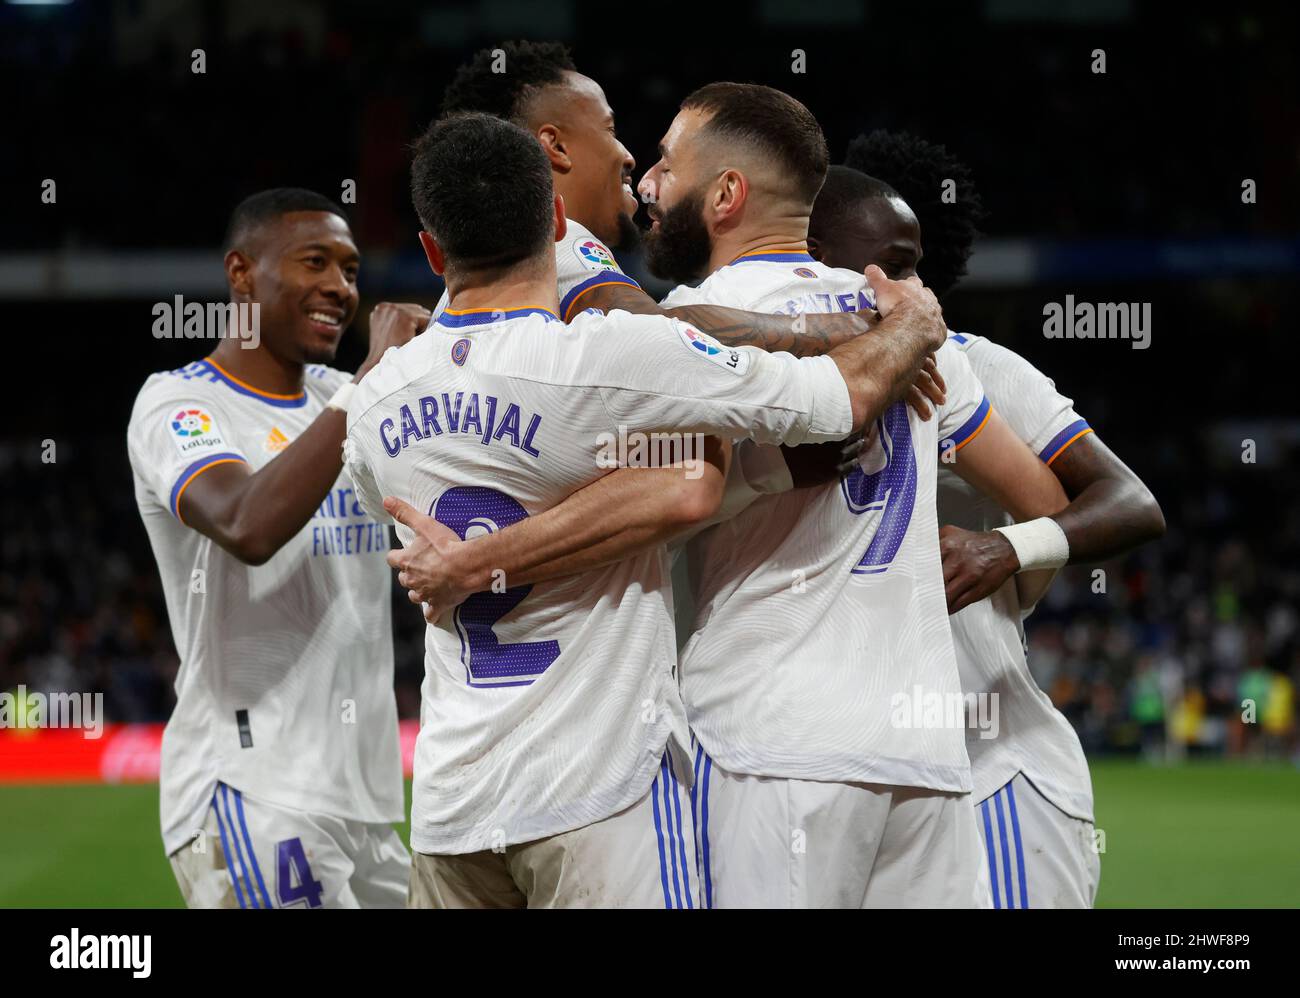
column 294, row 883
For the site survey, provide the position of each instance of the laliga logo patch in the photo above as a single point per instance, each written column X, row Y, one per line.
column 459, row 351
column 701, row 342
column 594, row 256
column 194, row 431
column 191, row 423
column 729, row 358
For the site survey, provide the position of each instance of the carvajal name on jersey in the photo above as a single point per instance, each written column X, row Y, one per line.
column 433, row 415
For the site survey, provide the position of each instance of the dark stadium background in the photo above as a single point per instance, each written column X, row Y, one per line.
column 1117, row 187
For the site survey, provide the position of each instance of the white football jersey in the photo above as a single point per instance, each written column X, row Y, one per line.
column 821, row 648
column 582, row 263
column 1034, row 737
column 285, row 688
column 548, row 707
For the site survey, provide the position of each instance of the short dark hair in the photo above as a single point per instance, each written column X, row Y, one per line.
column 917, row 169
column 771, row 120
column 844, row 190
column 482, row 188
column 258, row 209
column 529, row 66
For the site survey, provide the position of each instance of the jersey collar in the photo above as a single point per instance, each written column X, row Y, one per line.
column 457, row 318
column 775, row 254
column 218, row 373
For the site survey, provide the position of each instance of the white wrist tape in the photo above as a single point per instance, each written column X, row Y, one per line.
column 1038, row 543
column 340, row 399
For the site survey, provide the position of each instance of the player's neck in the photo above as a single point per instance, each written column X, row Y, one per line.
column 788, row 235
column 506, row 294
column 576, row 207
column 258, row 367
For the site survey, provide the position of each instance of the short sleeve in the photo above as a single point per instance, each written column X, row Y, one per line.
column 177, row 432
column 966, row 411
column 583, row 263
column 1027, row 399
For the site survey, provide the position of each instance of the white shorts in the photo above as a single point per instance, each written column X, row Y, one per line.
column 641, row 857
column 775, row 843
column 1037, row 855
column 253, row 854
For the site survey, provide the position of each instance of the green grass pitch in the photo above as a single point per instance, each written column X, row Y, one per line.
column 1215, row 835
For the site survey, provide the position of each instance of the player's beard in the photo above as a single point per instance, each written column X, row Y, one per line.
column 680, row 248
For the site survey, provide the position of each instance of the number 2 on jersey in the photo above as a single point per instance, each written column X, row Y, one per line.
column 891, row 490
column 487, row 661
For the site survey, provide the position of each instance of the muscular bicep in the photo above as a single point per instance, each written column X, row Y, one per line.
column 1000, row 465
column 1111, row 509
column 1086, row 461
column 209, row 502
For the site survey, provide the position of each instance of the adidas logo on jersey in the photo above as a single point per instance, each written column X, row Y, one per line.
column 275, row 441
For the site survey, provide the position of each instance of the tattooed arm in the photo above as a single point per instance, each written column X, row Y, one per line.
column 902, row 354
column 814, row 334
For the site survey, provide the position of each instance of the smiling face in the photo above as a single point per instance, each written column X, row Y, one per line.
column 301, row 268
column 575, row 124
column 879, row 230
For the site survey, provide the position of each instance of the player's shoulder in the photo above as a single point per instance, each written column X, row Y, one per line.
column 397, row 368
column 581, row 249
column 986, row 356
column 733, row 285
column 839, row 276
column 952, row 360
column 795, row 283
column 965, row 341
column 196, row 381
column 326, row 378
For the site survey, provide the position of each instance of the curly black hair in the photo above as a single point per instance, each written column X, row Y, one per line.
column 917, row 169
column 528, row 66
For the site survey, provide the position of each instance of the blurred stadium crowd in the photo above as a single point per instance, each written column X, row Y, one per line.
column 309, row 94
column 1159, row 662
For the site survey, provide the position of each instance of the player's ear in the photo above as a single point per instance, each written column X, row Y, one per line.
column 561, row 222
column 433, row 253
column 730, row 195
column 554, row 147
column 239, row 273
